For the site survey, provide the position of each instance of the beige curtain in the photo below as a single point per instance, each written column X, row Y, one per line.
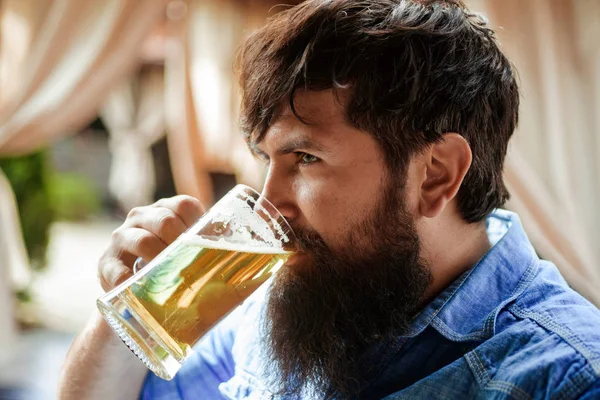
column 553, row 165
column 200, row 69
column 552, row 169
column 82, row 48
column 190, row 172
column 58, row 61
column 134, row 117
column 12, row 252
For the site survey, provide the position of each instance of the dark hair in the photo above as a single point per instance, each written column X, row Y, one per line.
column 414, row 71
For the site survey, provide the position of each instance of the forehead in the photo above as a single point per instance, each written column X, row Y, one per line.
column 322, row 117
column 319, row 107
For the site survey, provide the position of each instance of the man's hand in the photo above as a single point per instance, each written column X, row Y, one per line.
column 146, row 232
column 98, row 365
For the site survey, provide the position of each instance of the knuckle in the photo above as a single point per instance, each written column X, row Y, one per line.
column 145, row 241
column 168, row 222
column 102, row 263
column 120, row 277
column 120, row 244
column 109, row 273
column 134, row 212
column 188, row 204
column 111, row 279
column 116, row 235
column 101, row 273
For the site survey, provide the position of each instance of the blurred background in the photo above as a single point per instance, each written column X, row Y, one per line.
column 110, row 104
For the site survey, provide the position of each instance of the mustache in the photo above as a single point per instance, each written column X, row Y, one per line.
column 309, row 241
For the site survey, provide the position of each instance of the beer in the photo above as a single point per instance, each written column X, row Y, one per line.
column 162, row 311
column 196, row 285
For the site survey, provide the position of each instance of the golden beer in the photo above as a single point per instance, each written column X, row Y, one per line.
column 163, row 310
column 196, row 285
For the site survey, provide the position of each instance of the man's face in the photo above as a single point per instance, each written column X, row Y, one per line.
column 325, row 176
column 359, row 277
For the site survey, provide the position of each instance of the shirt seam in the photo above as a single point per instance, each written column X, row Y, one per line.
column 449, row 333
column 563, row 332
column 487, row 329
column 510, row 218
column 577, row 381
column 509, row 389
column 421, row 328
column 526, row 279
column 577, row 384
column 487, row 383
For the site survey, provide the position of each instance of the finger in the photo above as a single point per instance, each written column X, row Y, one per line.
column 112, row 272
column 188, row 208
column 138, row 242
column 161, row 221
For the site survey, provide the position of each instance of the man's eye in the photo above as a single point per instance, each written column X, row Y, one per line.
column 305, row 158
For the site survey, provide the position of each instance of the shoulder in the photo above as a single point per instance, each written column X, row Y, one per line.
column 546, row 344
column 551, row 306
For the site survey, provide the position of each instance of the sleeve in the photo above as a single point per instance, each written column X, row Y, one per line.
column 208, row 366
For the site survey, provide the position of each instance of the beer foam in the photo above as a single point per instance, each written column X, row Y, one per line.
column 222, row 244
column 242, row 214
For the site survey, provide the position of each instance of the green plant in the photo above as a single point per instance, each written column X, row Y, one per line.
column 74, row 197
column 28, row 176
column 44, row 196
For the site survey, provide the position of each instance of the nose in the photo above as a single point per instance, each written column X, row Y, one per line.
column 278, row 189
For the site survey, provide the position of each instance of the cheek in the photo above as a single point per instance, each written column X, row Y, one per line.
column 412, row 191
column 332, row 208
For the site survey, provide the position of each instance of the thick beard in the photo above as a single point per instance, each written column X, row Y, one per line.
column 325, row 313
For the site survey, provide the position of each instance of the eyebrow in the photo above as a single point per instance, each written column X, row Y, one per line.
column 290, row 147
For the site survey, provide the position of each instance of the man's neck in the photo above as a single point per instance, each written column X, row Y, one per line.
column 450, row 246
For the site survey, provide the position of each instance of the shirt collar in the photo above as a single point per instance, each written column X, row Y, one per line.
column 467, row 309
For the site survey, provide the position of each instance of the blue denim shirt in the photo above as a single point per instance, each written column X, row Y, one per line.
column 509, row 328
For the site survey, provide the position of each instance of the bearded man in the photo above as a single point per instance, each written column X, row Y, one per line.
column 384, row 126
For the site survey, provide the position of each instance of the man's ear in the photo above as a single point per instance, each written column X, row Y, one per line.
column 446, row 163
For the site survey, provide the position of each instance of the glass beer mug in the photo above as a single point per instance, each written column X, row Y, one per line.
column 164, row 309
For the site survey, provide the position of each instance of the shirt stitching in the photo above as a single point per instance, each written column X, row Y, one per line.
column 476, row 365
column 472, row 367
column 510, row 218
column 571, row 389
column 487, row 329
column 548, row 324
column 510, row 389
column 577, row 384
column 568, row 391
column 421, row 328
column 439, row 324
column 484, row 379
column 524, row 282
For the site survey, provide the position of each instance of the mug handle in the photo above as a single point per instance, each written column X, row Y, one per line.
column 138, row 264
